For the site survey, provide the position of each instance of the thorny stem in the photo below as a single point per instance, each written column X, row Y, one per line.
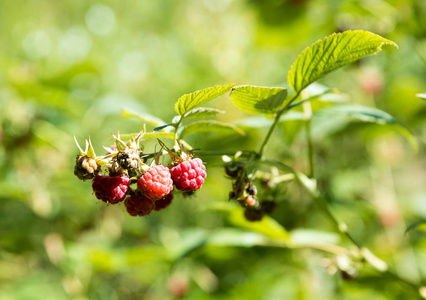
column 277, row 119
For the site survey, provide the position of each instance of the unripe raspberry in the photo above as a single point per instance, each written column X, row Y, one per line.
column 138, row 205
column 156, row 182
column 268, row 207
column 251, row 201
column 110, row 189
column 85, row 167
column 251, row 188
column 253, row 214
column 189, row 175
column 128, row 158
column 163, row 202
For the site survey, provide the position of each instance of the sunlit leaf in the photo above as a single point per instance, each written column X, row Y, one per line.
column 258, row 100
column 331, row 53
column 237, row 238
column 203, row 112
column 310, row 236
column 209, row 126
column 190, row 101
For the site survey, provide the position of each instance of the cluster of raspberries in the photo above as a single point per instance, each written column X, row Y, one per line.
column 142, row 188
column 154, row 187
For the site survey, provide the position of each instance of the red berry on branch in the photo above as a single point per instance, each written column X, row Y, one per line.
column 110, row 189
column 189, row 175
column 138, row 205
column 156, row 182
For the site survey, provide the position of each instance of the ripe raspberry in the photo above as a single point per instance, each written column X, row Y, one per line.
column 110, row 189
column 163, row 202
column 189, row 175
column 156, row 182
column 138, row 206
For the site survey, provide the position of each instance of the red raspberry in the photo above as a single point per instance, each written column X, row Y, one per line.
column 156, row 182
column 138, row 206
column 189, row 175
column 110, row 189
column 163, row 202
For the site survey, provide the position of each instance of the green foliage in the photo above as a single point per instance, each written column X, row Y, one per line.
column 203, row 112
column 190, row 101
column 257, row 99
column 209, row 126
column 367, row 114
column 331, row 53
column 68, row 70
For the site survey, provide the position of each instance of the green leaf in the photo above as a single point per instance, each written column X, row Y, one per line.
column 163, row 126
column 416, row 225
column 237, row 238
column 145, row 117
column 208, row 126
column 261, row 122
column 190, row 101
column 267, row 226
column 203, row 112
column 304, row 236
column 331, row 53
column 367, row 114
column 258, row 100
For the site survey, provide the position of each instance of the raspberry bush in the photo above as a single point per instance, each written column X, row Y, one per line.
column 257, row 182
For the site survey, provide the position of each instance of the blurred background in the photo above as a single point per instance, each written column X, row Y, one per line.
column 68, row 68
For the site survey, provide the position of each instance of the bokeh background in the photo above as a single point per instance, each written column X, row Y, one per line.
column 68, row 68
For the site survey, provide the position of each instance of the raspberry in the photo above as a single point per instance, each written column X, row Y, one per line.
column 251, row 201
column 110, row 189
column 163, row 202
column 85, row 167
column 253, row 214
column 268, row 207
column 138, row 205
column 156, row 182
column 189, row 175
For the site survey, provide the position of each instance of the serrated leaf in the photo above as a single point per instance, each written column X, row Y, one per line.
column 367, row 114
column 190, row 101
column 333, row 52
column 203, row 112
column 208, row 126
column 258, row 100
column 145, row 117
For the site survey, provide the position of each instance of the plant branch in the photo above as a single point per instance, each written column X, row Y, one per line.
column 277, row 118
